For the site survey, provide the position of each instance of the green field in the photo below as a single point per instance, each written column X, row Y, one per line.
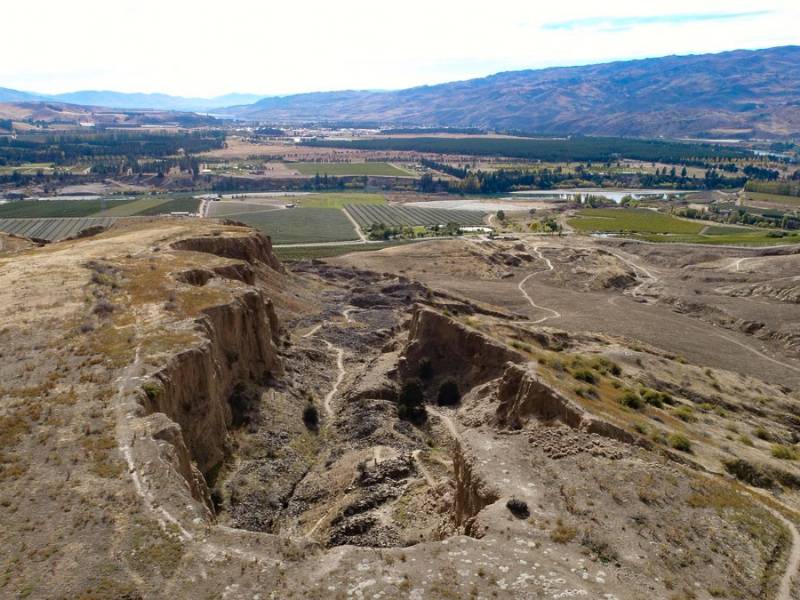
column 57, row 208
column 367, row 215
column 632, row 220
column 752, row 237
column 53, row 229
column 174, row 205
column 653, row 226
column 133, row 207
column 724, row 230
column 302, row 225
column 337, row 200
column 339, row 169
column 237, row 208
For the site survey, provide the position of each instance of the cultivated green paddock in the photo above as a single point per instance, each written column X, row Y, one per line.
column 133, row 207
column 748, row 237
column 235, row 208
column 190, row 205
column 631, row 220
column 338, row 169
column 337, row 200
column 653, row 226
column 302, row 225
column 57, row 208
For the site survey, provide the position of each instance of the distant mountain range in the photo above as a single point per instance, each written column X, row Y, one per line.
column 744, row 93
column 127, row 101
column 739, row 93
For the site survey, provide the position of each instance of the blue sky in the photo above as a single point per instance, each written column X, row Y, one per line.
column 208, row 48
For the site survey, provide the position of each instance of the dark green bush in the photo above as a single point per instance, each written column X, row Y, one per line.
column 585, row 375
column 311, row 416
column 632, row 400
column 411, row 403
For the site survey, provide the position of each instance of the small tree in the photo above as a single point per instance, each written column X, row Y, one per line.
column 411, row 403
column 426, row 370
column 449, row 393
column 311, row 416
column 501, row 215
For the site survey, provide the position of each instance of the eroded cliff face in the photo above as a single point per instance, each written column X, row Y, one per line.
column 253, row 248
column 453, row 349
column 472, row 493
column 194, row 387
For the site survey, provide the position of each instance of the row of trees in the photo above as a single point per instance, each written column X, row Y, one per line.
column 503, row 181
column 741, row 216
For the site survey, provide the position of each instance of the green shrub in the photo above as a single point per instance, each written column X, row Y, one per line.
column 311, row 416
column 762, row 434
column 749, row 473
column 411, row 403
column 685, row 413
column 632, row 400
column 680, row 442
column 152, row 390
column 585, row 375
column 652, row 397
column 449, row 393
column 784, row 452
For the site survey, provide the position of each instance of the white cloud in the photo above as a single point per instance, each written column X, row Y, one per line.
column 209, row 48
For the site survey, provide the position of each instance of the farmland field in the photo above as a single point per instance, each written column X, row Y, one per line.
column 546, row 149
column 653, row 226
column 57, row 208
column 337, row 169
column 133, row 207
column 237, row 208
column 338, row 200
column 302, row 225
column 747, row 237
column 368, row 215
column 174, row 205
column 52, row 229
column 632, row 220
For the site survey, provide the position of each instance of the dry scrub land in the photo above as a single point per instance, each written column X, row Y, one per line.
column 184, row 417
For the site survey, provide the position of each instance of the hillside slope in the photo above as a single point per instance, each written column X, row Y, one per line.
column 731, row 93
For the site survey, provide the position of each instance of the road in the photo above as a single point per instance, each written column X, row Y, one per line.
column 350, row 218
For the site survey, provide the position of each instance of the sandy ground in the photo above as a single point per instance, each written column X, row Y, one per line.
column 660, row 318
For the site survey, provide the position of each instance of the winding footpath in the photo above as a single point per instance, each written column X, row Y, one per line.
column 554, row 314
column 793, row 564
column 339, row 378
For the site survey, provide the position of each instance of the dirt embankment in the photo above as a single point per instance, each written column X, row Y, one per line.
column 195, row 387
column 453, row 350
column 252, row 249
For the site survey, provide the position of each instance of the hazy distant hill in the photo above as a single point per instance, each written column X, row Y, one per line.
column 8, row 95
column 74, row 114
column 154, row 101
column 732, row 93
column 123, row 100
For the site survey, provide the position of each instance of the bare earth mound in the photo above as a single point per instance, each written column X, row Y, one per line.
column 183, row 416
